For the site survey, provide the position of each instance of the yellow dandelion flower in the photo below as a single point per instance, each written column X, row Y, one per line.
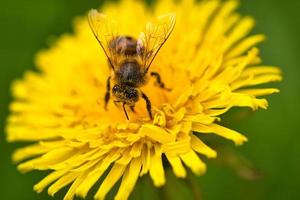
column 209, row 62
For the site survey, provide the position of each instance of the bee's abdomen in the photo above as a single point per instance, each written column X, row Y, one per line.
column 130, row 74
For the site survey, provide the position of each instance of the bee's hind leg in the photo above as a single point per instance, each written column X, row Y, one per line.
column 107, row 93
column 159, row 82
column 148, row 104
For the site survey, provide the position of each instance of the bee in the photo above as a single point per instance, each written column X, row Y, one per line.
column 130, row 58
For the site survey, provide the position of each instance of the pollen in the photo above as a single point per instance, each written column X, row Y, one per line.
column 210, row 63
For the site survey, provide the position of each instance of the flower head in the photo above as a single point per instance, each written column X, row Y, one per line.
column 209, row 62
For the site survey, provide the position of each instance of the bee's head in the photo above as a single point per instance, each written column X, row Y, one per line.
column 125, row 93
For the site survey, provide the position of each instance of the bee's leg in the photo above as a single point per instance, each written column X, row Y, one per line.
column 148, row 104
column 159, row 81
column 132, row 109
column 125, row 110
column 107, row 93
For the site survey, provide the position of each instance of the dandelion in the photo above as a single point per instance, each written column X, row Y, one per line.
column 210, row 63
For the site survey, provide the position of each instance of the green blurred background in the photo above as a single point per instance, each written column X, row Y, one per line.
column 274, row 137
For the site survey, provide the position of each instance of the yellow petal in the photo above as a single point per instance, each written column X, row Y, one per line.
column 262, row 69
column 221, row 131
column 243, row 100
column 40, row 186
column 129, row 179
column 62, row 182
column 113, row 176
column 255, row 80
column 146, row 160
column 240, row 31
column 156, row 169
column 125, row 158
column 136, row 149
column 200, row 118
column 185, row 95
column 202, row 148
column 29, row 151
column 192, row 160
column 71, row 192
column 156, row 133
column 95, row 174
column 50, row 158
column 258, row 92
column 179, row 147
column 177, row 166
column 244, row 45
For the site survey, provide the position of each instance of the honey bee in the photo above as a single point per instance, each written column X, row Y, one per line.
column 130, row 58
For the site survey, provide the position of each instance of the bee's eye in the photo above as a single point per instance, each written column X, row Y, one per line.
column 116, row 88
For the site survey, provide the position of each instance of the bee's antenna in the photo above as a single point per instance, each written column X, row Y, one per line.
column 125, row 111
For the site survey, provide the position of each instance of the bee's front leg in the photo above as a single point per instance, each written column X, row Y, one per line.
column 159, row 81
column 148, row 104
column 107, row 93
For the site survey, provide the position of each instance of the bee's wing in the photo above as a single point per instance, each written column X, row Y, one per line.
column 154, row 37
column 105, row 30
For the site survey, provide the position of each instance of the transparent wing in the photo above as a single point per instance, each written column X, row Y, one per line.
column 105, row 30
column 154, row 37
